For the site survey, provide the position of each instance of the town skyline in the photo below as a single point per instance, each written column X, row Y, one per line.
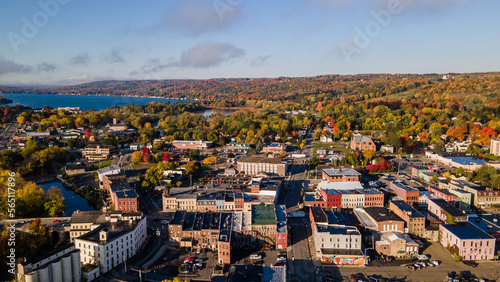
column 67, row 43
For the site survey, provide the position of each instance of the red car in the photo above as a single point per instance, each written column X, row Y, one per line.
column 56, row 221
column 356, row 276
column 189, row 259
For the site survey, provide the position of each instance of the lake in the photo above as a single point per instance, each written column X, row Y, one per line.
column 85, row 102
column 73, row 201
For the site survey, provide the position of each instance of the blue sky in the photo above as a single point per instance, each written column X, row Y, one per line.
column 65, row 42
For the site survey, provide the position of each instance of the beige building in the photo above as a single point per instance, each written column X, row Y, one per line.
column 256, row 165
column 95, row 152
column 495, row 147
column 180, row 202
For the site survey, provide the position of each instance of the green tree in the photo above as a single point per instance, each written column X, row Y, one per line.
column 193, row 168
column 55, row 207
column 136, row 157
column 393, row 139
column 313, row 162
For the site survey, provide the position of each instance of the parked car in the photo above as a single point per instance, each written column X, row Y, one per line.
column 198, row 265
column 191, row 259
column 356, row 276
column 56, row 221
column 430, row 264
column 255, row 256
column 423, row 257
column 470, row 263
column 200, row 260
column 185, row 271
column 435, row 262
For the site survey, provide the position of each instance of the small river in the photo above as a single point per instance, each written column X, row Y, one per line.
column 73, row 201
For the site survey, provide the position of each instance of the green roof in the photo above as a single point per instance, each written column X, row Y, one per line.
column 263, row 214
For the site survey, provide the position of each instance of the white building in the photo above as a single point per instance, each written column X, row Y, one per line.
column 59, row 265
column 109, row 170
column 325, row 139
column 114, row 241
column 495, row 147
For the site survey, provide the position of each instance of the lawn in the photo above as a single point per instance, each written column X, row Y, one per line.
column 336, row 146
column 96, row 166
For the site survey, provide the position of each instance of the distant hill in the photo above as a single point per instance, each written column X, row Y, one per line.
column 235, row 92
column 4, row 100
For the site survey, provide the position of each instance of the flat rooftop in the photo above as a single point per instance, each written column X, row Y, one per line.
column 466, row 231
column 262, row 160
column 382, row 214
column 403, row 187
column 337, row 230
column 319, row 215
column 263, row 214
column 450, row 209
column 405, row 207
column 352, row 185
column 348, row 172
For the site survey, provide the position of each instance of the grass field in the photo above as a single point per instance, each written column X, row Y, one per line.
column 96, row 166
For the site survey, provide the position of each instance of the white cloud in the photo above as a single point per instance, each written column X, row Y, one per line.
column 198, row 16
column 80, row 59
column 9, row 66
column 207, row 55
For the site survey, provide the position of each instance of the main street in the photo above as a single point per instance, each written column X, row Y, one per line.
column 301, row 266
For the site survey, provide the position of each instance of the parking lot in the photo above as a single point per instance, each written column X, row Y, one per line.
column 397, row 270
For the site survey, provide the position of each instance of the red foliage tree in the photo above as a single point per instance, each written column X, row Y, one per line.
column 166, row 157
column 88, row 133
column 145, row 154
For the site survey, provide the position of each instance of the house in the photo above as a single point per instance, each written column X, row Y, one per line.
column 468, row 241
column 387, row 149
column 135, row 147
column 73, row 169
column 325, row 139
column 362, row 142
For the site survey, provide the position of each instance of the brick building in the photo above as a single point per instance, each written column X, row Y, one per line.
column 362, row 142
column 341, row 175
column 415, row 221
column 408, row 194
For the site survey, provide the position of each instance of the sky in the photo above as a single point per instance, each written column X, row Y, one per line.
column 68, row 42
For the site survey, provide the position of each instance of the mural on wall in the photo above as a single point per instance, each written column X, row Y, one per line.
column 340, row 259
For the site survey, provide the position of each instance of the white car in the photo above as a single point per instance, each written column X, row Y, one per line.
column 435, row 262
column 423, row 257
